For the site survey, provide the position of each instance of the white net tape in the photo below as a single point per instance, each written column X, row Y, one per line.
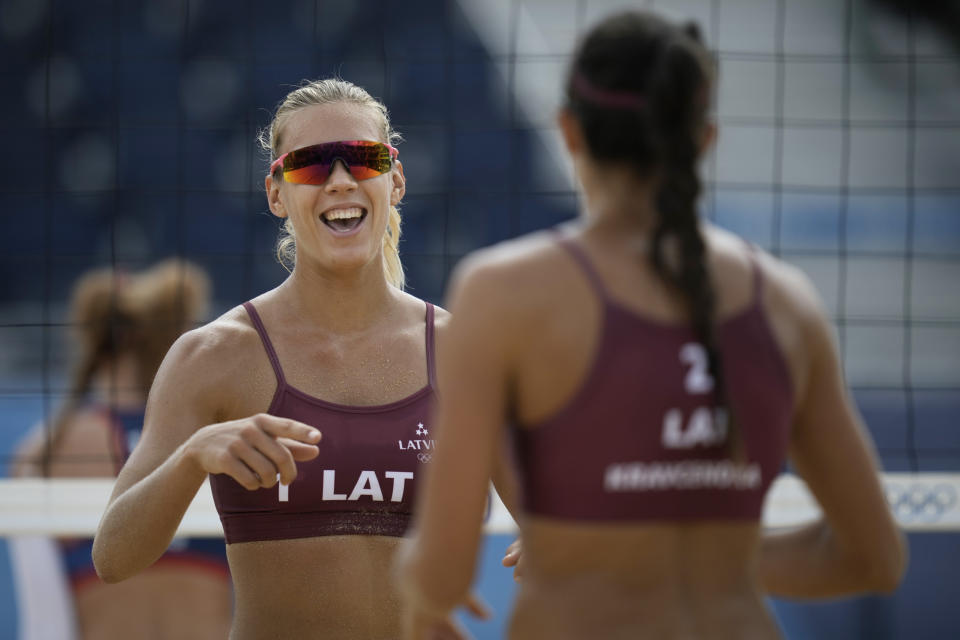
column 72, row 507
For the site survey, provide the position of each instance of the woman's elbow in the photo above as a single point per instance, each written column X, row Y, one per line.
column 105, row 569
column 105, row 563
column 884, row 579
column 882, row 570
column 892, row 566
column 107, row 577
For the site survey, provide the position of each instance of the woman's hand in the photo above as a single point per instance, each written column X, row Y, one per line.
column 254, row 451
column 421, row 623
column 512, row 557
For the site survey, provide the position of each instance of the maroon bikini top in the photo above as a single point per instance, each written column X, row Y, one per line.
column 364, row 480
column 643, row 437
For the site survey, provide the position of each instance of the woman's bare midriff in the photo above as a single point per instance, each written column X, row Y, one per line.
column 326, row 587
column 657, row 581
column 167, row 603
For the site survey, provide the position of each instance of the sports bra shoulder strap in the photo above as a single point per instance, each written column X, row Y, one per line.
column 752, row 254
column 580, row 257
column 431, row 356
column 119, row 442
column 262, row 332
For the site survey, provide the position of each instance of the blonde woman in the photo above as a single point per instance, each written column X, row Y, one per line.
column 312, row 522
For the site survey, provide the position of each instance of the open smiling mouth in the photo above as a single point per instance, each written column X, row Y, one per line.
column 344, row 220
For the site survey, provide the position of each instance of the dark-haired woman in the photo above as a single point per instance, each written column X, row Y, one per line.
column 655, row 373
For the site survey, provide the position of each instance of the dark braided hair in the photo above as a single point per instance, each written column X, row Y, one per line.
column 639, row 86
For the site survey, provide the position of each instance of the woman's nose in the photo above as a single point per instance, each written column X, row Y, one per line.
column 340, row 178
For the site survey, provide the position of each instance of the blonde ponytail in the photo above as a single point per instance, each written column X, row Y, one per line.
column 287, row 246
column 392, row 267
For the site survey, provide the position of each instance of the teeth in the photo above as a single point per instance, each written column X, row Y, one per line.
column 343, row 214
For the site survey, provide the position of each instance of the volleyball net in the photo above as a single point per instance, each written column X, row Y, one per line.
column 133, row 128
column 921, row 502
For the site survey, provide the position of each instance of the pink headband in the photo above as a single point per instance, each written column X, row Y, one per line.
column 605, row 97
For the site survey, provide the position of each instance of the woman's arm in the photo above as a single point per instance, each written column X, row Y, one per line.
column 856, row 546
column 505, row 482
column 177, row 451
column 438, row 564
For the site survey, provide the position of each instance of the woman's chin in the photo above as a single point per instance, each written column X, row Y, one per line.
column 348, row 261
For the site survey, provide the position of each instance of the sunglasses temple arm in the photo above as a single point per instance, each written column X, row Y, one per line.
column 277, row 163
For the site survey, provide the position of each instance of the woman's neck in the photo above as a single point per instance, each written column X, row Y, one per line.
column 617, row 203
column 117, row 384
column 343, row 303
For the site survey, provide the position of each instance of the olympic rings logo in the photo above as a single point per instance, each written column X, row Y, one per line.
column 424, row 457
column 919, row 502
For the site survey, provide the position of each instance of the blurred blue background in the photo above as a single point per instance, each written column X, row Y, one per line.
column 131, row 130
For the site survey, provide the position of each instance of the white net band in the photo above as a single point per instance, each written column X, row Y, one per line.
column 72, row 507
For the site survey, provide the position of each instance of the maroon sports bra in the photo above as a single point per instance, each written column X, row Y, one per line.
column 643, row 439
column 362, row 483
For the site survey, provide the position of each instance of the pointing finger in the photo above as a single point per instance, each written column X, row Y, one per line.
column 286, row 428
column 301, row 452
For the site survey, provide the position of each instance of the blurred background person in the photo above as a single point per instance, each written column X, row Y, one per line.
column 123, row 324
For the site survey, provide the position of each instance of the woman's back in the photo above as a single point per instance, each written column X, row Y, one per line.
column 651, row 580
column 662, row 538
column 562, row 310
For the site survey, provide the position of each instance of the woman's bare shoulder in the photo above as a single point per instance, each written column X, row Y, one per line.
column 525, row 263
column 208, row 357
column 224, row 339
column 508, row 288
column 786, row 285
column 219, row 371
column 792, row 288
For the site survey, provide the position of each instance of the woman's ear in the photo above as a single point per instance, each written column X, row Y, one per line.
column 399, row 183
column 570, row 131
column 273, row 197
